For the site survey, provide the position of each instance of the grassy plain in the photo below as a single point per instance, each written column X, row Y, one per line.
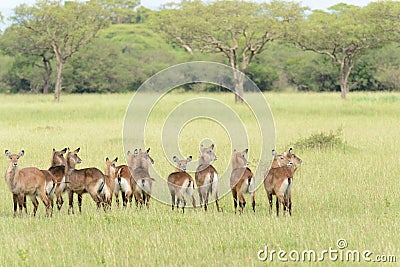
column 349, row 192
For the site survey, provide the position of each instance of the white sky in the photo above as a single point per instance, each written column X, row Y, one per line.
column 6, row 6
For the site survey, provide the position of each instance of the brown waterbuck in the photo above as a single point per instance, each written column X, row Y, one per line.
column 123, row 184
column 110, row 175
column 57, row 169
column 296, row 162
column 181, row 183
column 242, row 180
column 88, row 180
column 139, row 167
column 27, row 181
column 206, row 176
column 279, row 180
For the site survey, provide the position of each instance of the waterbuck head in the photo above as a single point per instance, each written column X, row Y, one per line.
column 293, row 158
column 140, row 159
column 58, row 157
column 280, row 160
column 73, row 158
column 110, row 166
column 182, row 164
column 239, row 159
column 14, row 157
column 207, row 155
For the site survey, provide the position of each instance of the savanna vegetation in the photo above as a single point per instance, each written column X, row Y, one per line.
column 113, row 46
column 346, row 187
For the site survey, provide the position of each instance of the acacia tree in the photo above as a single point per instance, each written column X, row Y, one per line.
column 119, row 11
column 64, row 28
column 344, row 34
column 20, row 41
column 237, row 29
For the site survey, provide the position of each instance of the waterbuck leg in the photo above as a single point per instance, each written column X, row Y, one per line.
column 277, row 206
column 71, row 201
column 124, row 199
column 80, row 203
column 16, row 202
column 173, row 200
column 270, row 203
column 253, row 201
column 35, row 204
column 234, row 193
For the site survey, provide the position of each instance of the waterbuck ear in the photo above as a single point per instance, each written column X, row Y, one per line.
column 107, row 159
column 135, row 152
column 115, row 160
column 284, row 153
column 246, row 151
column 291, row 151
column 21, row 153
column 63, row 151
column 151, row 160
column 129, row 153
column 212, row 146
column 77, row 150
column 54, row 150
column 274, row 153
column 189, row 159
column 175, row 158
column 148, row 150
column 8, row 154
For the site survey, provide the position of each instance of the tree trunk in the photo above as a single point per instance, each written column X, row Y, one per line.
column 239, row 90
column 345, row 70
column 46, row 78
column 57, row 90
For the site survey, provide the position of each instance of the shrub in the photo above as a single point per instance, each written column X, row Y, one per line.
column 322, row 140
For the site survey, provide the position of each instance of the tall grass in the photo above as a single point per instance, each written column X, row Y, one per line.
column 338, row 193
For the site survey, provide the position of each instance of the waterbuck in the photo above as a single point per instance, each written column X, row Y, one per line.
column 242, row 180
column 122, row 184
column 181, row 183
column 27, row 181
column 88, row 180
column 57, row 169
column 110, row 174
column 206, row 176
column 139, row 167
column 279, row 180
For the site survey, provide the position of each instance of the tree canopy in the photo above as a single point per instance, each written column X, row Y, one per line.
column 114, row 46
column 237, row 29
column 64, row 29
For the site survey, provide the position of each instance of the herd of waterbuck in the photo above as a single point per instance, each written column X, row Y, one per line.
column 133, row 180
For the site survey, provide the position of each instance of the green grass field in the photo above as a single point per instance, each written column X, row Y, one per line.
column 346, row 192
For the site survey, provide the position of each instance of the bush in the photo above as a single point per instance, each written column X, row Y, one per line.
column 322, row 140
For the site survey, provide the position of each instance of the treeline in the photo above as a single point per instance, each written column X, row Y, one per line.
column 136, row 43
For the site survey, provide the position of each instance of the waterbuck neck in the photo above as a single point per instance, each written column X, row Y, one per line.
column 56, row 162
column 110, row 172
column 70, row 165
column 205, row 160
column 10, row 175
column 142, row 163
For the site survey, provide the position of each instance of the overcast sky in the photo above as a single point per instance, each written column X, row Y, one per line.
column 6, row 6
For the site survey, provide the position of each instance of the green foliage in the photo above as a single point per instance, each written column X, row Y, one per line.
column 322, row 140
column 120, row 11
column 121, row 57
